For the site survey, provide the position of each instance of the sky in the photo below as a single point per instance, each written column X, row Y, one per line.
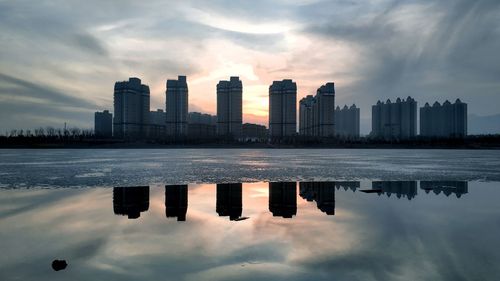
column 59, row 59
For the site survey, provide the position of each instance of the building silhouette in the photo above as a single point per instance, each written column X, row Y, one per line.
column 347, row 121
column 283, row 199
column 444, row 121
column 229, row 200
column 254, row 132
column 103, row 124
column 130, row 201
column 395, row 120
column 157, row 125
column 324, row 111
column 282, row 109
column 177, row 107
column 348, row 185
column 306, row 116
column 317, row 114
column 131, row 108
column 321, row 192
column 446, row 187
column 176, row 201
column 201, row 125
column 229, row 107
column 400, row 189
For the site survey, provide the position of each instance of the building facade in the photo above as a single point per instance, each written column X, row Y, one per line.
column 229, row 107
column 324, row 111
column 103, row 124
column 201, row 125
column 347, row 121
column 254, row 132
column 177, row 107
column 306, row 116
column 282, row 109
column 444, row 121
column 131, row 108
column 394, row 120
column 157, row 125
column 317, row 114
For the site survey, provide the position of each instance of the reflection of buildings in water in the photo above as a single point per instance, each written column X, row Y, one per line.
column 406, row 189
column 130, row 201
column 229, row 200
column 321, row 192
column 446, row 187
column 346, row 185
column 176, row 201
column 283, row 199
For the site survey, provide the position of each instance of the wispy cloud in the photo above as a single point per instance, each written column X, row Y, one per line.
column 373, row 50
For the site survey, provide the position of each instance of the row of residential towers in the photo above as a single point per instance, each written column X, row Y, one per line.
column 133, row 118
column 398, row 120
column 318, row 116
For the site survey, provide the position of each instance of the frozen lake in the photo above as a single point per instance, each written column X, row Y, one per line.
column 117, row 167
column 250, row 214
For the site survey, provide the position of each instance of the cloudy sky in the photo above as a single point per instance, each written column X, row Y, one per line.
column 59, row 59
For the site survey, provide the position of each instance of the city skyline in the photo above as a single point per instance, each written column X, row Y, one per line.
column 58, row 60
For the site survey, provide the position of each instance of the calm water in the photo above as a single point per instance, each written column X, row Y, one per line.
column 442, row 226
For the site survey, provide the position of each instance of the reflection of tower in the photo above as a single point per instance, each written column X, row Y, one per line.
column 352, row 185
column 283, row 199
column 176, row 201
column 447, row 187
column 130, row 201
column 229, row 200
column 406, row 189
column 321, row 192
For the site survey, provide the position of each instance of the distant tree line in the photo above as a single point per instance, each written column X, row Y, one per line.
column 59, row 137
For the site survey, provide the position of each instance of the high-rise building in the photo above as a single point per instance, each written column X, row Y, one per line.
column 229, row 200
column 394, row 120
column 324, row 111
column 444, row 121
column 317, row 114
column 130, row 201
column 177, row 107
column 229, row 107
column 103, row 124
column 321, row 192
column 283, row 199
column 283, row 109
column 306, row 116
column 176, row 201
column 131, row 106
column 347, row 121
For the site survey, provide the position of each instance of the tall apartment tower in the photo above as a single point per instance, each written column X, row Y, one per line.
column 282, row 109
column 317, row 114
column 131, row 107
column 347, row 121
column 324, row 111
column 229, row 107
column 394, row 120
column 103, row 124
column 445, row 121
column 306, row 116
column 177, row 107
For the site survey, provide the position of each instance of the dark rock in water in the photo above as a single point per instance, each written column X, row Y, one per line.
column 59, row 265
